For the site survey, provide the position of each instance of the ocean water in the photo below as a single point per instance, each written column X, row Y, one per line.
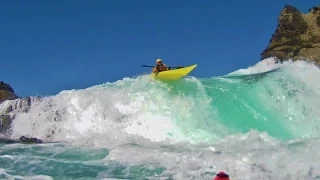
column 262, row 122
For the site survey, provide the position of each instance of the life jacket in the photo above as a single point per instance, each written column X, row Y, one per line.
column 161, row 68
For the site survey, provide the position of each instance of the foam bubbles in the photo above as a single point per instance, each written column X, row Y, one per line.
column 183, row 129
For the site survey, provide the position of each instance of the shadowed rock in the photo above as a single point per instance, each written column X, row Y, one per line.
column 6, row 92
column 5, row 123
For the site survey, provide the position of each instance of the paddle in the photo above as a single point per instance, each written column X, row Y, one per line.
column 178, row 67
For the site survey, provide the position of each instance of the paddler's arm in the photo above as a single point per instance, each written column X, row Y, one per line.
column 154, row 70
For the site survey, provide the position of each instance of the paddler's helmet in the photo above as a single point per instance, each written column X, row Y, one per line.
column 158, row 60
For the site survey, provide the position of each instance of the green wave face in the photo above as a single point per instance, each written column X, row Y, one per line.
column 275, row 102
column 133, row 128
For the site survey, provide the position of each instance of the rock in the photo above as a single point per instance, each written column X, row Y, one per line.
column 9, row 110
column 297, row 36
column 5, row 123
column 6, row 92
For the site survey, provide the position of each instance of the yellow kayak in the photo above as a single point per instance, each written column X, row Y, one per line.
column 174, row 74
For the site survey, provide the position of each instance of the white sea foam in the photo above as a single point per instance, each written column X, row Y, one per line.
column 149, row 123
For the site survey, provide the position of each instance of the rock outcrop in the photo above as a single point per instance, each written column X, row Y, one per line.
column 6, row 92
column 297, row 36
column 8, row 111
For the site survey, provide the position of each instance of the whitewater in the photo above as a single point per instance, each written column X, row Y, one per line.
column 262, row 122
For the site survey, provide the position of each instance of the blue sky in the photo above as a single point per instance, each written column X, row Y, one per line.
column 49, row 46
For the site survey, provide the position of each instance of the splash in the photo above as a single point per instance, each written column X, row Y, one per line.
column 250, row 123
column 280, row 99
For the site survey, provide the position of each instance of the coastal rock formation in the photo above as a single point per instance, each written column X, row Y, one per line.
column 9, row 109
column 297, row 36
column 12, row 106
column 6, row 92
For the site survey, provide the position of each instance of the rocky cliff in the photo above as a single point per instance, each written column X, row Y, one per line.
column 297, row 36
column 6, row 92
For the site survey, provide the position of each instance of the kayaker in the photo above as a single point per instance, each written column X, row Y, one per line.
column 159, row 67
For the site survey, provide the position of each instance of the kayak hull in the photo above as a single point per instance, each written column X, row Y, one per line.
column 174, row 74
